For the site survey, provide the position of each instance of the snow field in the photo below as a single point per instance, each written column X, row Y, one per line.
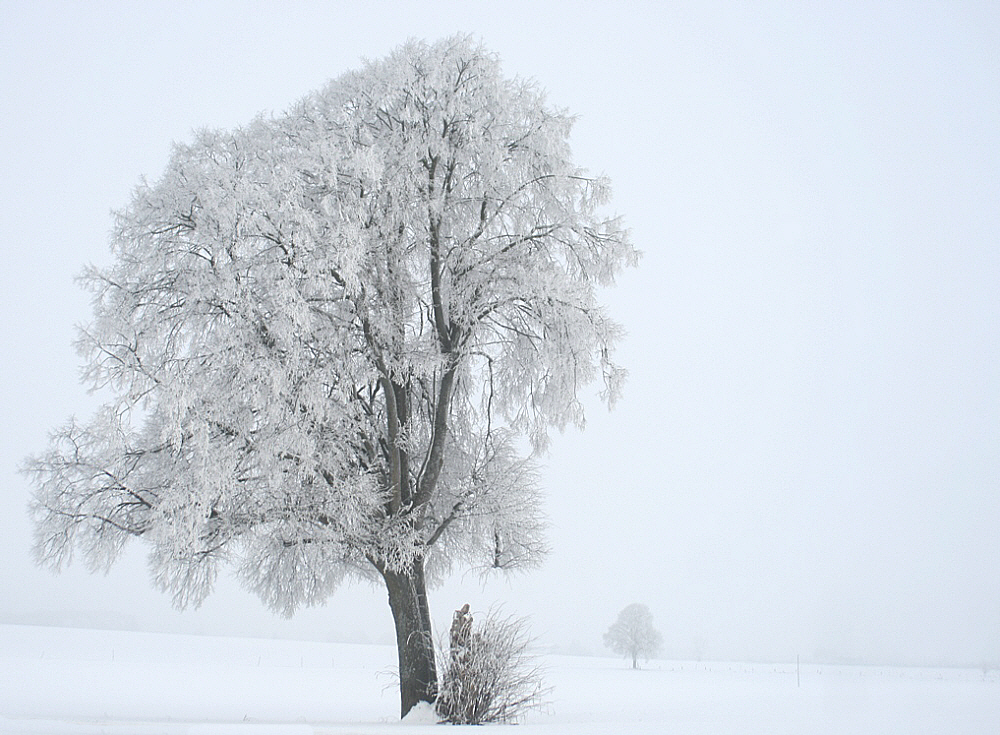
column 83, row 682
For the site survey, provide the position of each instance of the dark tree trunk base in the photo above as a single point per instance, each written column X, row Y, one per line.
column 414, row 638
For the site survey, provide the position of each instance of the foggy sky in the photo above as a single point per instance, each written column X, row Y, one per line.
column 807, row 456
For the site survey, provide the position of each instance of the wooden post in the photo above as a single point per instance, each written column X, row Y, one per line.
column 461, row 631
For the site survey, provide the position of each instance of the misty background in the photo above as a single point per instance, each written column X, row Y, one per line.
column 807, row 456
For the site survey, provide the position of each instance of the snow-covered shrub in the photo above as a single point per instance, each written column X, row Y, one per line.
column 488, row 674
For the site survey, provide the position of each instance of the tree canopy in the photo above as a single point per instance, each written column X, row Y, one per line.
column 326, row 335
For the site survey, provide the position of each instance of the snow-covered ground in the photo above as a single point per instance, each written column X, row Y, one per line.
column 84, row 682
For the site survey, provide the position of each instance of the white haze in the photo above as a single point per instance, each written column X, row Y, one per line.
column 806, row 457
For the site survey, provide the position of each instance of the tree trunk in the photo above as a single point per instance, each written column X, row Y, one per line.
column 414, row 638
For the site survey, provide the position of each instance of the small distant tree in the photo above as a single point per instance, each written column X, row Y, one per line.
column 633, row 634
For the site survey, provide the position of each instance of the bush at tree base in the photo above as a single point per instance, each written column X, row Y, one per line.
column 488, row 674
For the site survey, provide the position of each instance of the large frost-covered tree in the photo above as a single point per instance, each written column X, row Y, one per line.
column 325, row 337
